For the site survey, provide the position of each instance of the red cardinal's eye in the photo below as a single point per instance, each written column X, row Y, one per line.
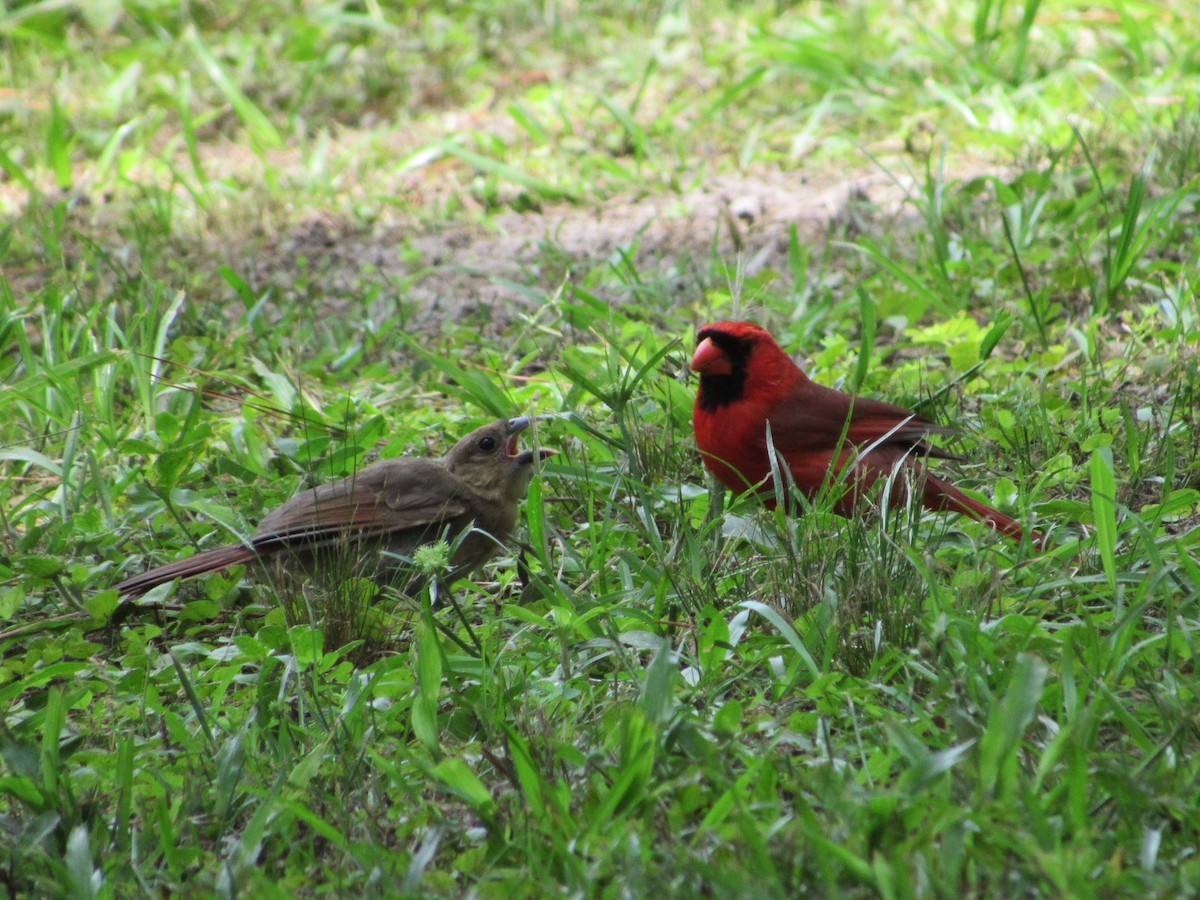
column 487, row 444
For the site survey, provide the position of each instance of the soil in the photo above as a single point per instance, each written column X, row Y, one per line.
column 743, row 219
column 746, row 218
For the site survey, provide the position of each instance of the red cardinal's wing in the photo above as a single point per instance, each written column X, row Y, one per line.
column 815, row 417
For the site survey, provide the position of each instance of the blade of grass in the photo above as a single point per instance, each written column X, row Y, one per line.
column 787, row 631
column 262, row 133
column 866, row 344
column 491, row 166
column 1104, row 510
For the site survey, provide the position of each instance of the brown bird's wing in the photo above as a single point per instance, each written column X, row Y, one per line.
column 813, row 418
column 390, row 496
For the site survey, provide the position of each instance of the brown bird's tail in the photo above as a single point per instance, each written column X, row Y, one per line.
column 941, row 495
column 208, row 561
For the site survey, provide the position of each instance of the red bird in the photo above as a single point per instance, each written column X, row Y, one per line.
column 748, row 382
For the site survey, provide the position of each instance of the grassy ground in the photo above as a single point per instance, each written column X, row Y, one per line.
column 247, row 247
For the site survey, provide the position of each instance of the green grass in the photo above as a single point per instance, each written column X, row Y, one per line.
column 663, row 690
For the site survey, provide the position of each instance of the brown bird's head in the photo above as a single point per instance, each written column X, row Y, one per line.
column 732, row 355
column 489, row 461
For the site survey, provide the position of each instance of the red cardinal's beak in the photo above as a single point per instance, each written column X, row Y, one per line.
column 709, row 359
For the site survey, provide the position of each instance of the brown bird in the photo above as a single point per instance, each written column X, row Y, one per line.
column 380, row 515
column 748, row 382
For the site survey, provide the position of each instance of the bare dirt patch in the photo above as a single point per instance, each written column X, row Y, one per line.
column 748, row 217
column 327, row 258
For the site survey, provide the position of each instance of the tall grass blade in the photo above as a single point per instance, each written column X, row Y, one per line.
column 1007, row 723
column 789, row 634
column 1104, row 510
column 257, row 125
column 490, row 166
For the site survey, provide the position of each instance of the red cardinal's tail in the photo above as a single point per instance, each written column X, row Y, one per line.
column 941, row 495
column 208, row 561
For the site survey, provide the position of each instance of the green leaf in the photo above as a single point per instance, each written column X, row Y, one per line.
column 83, row 878
column 728, row 720
column 472, row 383
column 1008, row 720
column 26, row 454
column 307, row 644
column 1104, row 511
column 995, row 334
column 785, row 628
column 658, row 682
column 198, row 707
column 429, row 688
column 866, row 345
column 459, row 778
column 490, row 166
column 257, row 125
column 40, row 566
column 58, row 145
column 527, row 774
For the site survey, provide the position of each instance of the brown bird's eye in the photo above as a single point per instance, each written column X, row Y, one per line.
column 487, row 444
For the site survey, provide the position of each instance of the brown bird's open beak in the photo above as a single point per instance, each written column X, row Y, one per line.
column 515, row 427
column 709, row 359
